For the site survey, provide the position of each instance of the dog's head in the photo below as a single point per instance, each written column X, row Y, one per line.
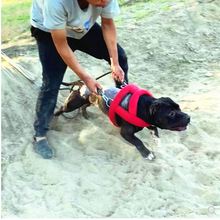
column 166, row 114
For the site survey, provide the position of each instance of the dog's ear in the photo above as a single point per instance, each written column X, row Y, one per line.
column 169, row 101
column 165, row 102
column 154, row 107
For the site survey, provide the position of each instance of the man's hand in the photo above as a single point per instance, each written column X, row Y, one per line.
column 117, row 73
column 92, row 84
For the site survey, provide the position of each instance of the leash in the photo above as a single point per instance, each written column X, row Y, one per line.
column 78, row 82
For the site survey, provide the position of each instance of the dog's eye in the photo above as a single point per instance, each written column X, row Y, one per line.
column 172, row 114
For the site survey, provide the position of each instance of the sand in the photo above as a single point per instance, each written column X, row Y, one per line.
column 173, row 50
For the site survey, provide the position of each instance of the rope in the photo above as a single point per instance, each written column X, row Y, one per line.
column 11, row 62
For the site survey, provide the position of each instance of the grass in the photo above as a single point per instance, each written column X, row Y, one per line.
column 15, row 16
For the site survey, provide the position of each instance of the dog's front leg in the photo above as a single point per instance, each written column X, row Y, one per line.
column 155, row 136
column 127, row 132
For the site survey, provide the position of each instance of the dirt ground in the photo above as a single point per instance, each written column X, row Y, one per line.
column 173, row 50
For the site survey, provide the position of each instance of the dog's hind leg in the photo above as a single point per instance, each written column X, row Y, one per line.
column 84, row 112
column 127, row 132
column 59, row 112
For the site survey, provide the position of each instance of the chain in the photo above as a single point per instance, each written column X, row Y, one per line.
column 106, row 98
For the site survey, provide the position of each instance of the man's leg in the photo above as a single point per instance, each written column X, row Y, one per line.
column 53, row 71
column 93, row 44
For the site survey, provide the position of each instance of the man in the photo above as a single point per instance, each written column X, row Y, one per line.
column 60, row 27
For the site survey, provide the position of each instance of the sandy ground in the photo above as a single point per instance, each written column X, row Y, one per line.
column 173, row 50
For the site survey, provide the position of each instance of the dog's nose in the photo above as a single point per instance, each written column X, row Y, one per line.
column 187, row 119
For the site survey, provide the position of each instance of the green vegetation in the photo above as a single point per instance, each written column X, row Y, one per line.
column 15, row 15
column 142, row 14
column 15, row 18
column 165, row 8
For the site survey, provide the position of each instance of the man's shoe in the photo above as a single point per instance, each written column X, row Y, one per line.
column 43, row 149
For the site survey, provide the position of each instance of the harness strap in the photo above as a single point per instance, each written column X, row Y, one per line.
column 130, row 115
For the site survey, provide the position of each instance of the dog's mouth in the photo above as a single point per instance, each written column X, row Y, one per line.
column 178, row 128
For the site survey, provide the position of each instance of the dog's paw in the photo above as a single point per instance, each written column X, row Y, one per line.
column 150, row 156
column 85, row 115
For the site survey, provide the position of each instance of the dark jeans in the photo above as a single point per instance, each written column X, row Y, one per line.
column 54, row 68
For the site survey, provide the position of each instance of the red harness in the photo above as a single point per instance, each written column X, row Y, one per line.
column 130, row 115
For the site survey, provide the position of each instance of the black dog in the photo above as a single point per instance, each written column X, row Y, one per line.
column 161, row 113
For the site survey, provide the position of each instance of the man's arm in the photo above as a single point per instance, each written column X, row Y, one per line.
column 109, row 34
column 60, row 41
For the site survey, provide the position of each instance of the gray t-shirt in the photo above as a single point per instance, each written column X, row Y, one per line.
column 61, row 14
